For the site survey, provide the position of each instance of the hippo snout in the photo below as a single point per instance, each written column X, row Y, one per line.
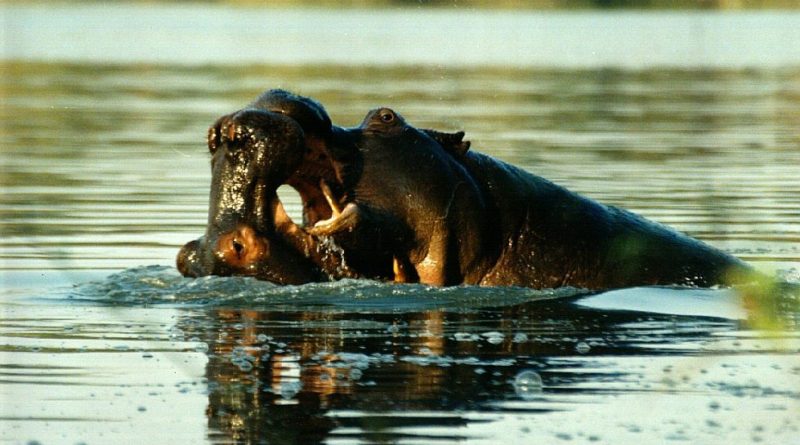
column 239, row 250
column 189, row 261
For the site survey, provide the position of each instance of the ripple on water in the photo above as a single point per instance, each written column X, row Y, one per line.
column 163, row 285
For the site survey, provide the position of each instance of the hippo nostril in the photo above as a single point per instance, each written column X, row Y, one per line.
column 238, row 247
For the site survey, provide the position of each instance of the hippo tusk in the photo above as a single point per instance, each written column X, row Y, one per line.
column 399, row 270
column 326, row 191
column 337, row 220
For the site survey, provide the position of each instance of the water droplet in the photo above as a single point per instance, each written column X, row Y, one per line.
column 528, row 385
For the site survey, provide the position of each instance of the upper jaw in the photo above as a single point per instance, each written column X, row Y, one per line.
column 326, row 176
column 241, row 228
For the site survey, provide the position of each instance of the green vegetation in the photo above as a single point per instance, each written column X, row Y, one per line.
column 771, row 304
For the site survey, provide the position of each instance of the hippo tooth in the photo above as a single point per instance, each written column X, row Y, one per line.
column 326, row 191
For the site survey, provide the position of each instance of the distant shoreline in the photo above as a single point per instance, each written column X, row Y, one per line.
column 214, row 34
column 643, row 5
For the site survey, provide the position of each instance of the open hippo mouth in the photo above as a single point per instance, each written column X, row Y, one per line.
column 325, row 177
column 320, row 182
column 280, row 139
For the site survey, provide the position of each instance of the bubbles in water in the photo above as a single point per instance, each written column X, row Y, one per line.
column 464, row 336
column 493, row 337
column 528, row 385
column 520, row 337
column 290, row 388
column 242, row 359
column 244, row 366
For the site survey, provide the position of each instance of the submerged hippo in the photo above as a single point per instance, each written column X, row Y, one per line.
column 387, row 200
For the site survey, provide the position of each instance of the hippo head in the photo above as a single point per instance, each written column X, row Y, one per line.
column 282, row 138
column 253, row 151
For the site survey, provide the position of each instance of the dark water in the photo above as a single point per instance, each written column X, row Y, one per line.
column 105, row 175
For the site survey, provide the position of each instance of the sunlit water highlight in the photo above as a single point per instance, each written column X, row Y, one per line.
column 105, row 175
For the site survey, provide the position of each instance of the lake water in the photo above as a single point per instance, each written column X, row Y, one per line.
column 689, row 119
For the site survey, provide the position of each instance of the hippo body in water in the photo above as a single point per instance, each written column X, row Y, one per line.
column 389, row 201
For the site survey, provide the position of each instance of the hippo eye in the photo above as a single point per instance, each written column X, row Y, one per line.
column 387, row 116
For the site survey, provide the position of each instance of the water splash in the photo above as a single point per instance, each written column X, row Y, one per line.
column 161, row 285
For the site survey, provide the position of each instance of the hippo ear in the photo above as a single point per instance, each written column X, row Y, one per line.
column 214, row 136
column 453, row 143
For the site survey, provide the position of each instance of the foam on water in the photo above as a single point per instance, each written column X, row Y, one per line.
column 162, row 285
column 152, row 285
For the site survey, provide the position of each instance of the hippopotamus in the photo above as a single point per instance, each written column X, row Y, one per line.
column 386, row 200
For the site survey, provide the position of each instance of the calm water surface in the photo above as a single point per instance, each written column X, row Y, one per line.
column 105, row 175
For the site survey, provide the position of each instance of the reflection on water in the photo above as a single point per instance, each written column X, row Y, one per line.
column 104, row 168
column 528, row 365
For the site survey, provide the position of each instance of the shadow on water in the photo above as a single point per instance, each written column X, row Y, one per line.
column 361, row 360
